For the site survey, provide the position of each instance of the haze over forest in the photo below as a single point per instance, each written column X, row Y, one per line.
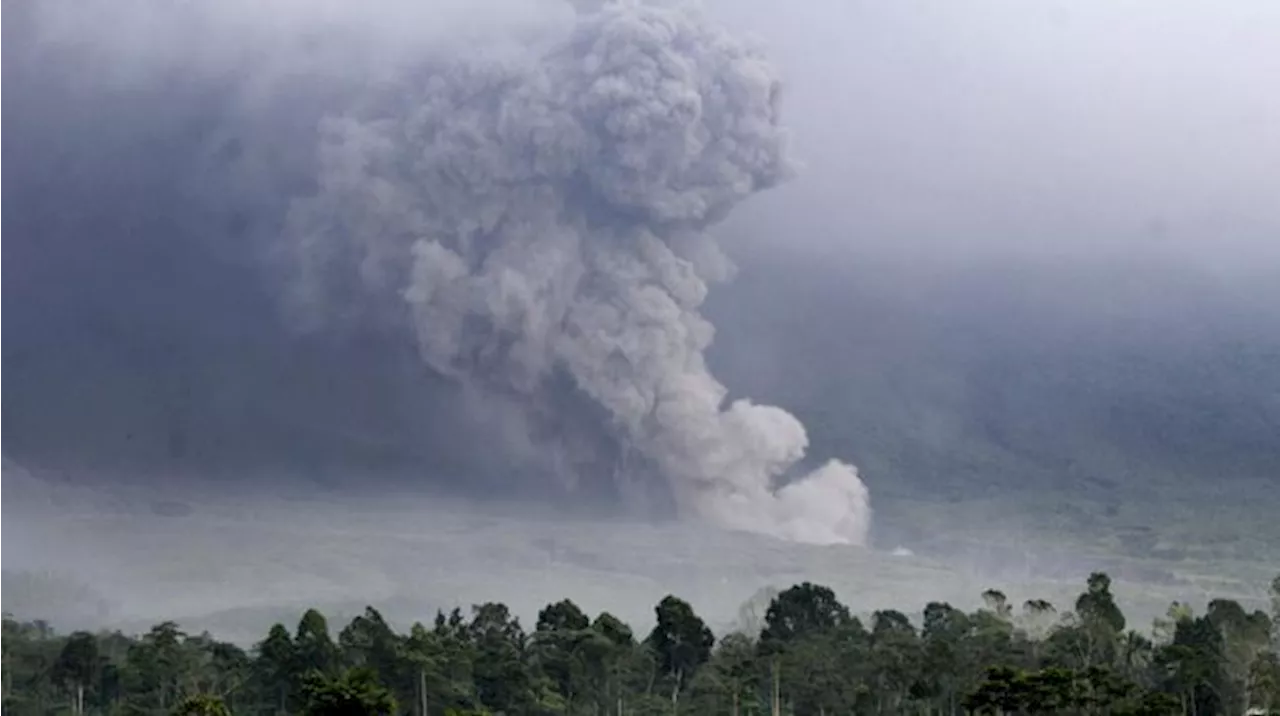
column 1017, row 265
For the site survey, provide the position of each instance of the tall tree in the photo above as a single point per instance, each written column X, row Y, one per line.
column 681, row 641
column 943, row 652
column 156, row 667
column 369, row 642
column 731, row 680
column 77, row 668
column 502, row 682
column 1245, row 637
column 313, row 648
column 559, row 641
column 273, row 668
column 803, row 609
column 895, row 655
column 1192, row 666
column 619, row 659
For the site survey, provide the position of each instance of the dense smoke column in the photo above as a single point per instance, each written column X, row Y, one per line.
column 540, row 220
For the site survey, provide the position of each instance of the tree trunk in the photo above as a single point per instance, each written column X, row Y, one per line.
column 80, row 699
column 422, row 691
column 7, row 683
column 776, row 702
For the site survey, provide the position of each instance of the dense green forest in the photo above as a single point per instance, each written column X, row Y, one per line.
column 800, row 652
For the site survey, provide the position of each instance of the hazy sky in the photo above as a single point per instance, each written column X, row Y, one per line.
column 929, row 126
column 937, row 126
column 929, row 130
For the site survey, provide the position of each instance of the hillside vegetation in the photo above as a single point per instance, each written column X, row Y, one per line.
column 797, row 651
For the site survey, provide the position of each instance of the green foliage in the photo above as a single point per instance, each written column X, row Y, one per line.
column 356, row 692
column 202, row 705
column 681, row 641
column 810, row 656
column 802, row 610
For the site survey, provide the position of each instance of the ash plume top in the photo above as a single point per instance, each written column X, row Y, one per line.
column 539, row 220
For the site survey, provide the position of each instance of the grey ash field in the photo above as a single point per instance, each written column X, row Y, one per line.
column 1025, row 480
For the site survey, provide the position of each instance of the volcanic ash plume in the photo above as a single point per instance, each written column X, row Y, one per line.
column 540, row 221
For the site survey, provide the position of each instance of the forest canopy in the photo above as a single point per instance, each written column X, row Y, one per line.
column 803, row 653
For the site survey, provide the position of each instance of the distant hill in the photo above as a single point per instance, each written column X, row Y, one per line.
column 1011, row 375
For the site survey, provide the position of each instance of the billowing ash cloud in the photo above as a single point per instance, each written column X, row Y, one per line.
column 538, row 222
column 531, row 217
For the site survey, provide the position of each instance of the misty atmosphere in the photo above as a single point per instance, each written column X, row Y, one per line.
column 427, row 304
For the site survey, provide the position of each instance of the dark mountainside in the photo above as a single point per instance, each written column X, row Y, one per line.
column 1133, row 406
column 1013, row 376
column 995, row 378
column 1001, row 427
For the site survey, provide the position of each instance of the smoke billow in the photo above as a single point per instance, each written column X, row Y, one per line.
column 541, row 220
column 525, row 201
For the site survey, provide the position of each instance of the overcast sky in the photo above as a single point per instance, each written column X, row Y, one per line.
column 931, row 127
column 956, row 127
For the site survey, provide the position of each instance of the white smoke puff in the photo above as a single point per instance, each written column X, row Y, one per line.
column 548, row 216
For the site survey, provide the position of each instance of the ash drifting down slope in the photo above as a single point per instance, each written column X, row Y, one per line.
column 539, row 224
column 528, row 211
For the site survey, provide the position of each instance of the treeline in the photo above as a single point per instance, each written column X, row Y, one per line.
column 809, row 656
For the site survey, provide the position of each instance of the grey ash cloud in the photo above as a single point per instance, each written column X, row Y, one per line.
column 532, row 212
